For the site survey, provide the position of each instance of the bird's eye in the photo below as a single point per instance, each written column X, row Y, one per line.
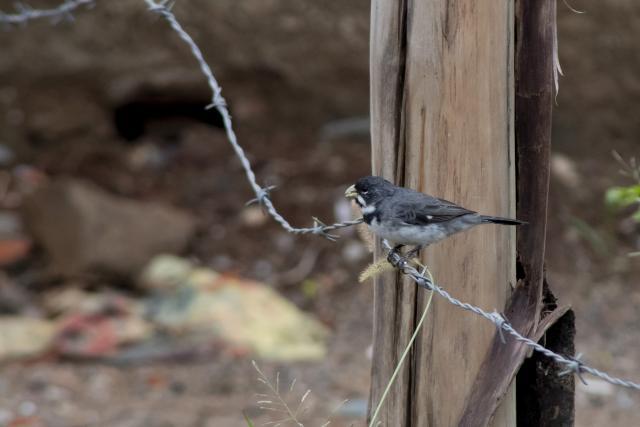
column 365, row 192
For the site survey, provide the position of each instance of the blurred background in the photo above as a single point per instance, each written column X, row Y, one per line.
column 136, row 286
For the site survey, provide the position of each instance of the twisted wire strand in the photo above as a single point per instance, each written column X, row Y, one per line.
column 219, row 103
column 26, row 13
column 573, row 364
column 163, row 8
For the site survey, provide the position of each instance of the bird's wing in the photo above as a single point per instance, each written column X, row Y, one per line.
column 420, row 209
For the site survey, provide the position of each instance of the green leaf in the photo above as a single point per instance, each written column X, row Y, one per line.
column 620, row 197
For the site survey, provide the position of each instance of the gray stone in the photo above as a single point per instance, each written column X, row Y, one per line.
column 83, row 229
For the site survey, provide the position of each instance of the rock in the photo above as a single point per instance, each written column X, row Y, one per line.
column 66, row 300
column 14, row 245
column 83, row 229
column 24, row 336
column 6, row 155
column 245, row 315
column 169, row 272
column 253, row 216
column 15, row 299
column 99, row 335
column 10, row 224
column 95, row 324
column 565, row 170
column 147, row 156
column 13, row 250
column 203, row 278
column 71, row 299
column 192, row 311
column 165, row 272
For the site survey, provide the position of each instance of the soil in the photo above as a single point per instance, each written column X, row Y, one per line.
column 180, row 157
column 203, row 176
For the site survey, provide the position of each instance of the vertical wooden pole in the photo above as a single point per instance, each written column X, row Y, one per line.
column 543, row 397
column 442, row 96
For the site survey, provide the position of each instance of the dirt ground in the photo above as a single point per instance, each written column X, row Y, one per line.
column 205, row 177
column 197, row 171
column 215, row 389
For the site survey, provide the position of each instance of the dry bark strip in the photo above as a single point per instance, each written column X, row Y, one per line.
column 535, row 21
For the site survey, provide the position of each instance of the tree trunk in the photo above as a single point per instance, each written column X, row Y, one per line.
column 442, row 110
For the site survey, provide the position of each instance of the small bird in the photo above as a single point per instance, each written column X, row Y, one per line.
column 406, row 217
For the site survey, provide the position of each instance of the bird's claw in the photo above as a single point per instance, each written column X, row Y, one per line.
column 414, row 253
column 395, row 258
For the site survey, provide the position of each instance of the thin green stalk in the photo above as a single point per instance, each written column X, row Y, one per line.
column 404, row 355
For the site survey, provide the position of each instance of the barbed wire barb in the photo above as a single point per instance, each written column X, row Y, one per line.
column 499, row 320
column 575, row 367
column 573, row 364
column 220, row 104
column 25, row 13
column 264, row 192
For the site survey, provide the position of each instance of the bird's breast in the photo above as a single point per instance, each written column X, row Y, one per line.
column 408, row 234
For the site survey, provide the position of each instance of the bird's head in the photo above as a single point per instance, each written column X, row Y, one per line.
column 369, row 190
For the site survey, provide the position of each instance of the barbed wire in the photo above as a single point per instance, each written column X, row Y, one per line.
column 26, row 13
column 163, row 8
column 573, row 364
column 219, row 103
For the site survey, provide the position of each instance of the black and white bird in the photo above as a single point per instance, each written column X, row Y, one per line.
column 406, row 217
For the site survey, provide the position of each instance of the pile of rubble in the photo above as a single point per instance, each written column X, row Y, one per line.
column 175, row 308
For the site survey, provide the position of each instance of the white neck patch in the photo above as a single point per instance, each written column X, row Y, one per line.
column 361, row 201
column 368, row 209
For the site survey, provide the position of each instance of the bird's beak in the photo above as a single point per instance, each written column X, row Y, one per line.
column 351, row 192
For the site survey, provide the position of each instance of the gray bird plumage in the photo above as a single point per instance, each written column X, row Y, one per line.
column 407, row 217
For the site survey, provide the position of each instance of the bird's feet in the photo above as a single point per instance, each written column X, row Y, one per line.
column 414, row 253
column 395, row 256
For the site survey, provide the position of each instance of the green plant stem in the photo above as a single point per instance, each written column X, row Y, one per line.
column 404, row 355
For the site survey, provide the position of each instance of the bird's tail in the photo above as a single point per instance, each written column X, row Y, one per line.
column 502, row 221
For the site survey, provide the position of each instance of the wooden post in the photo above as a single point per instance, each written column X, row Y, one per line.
column 543, row 397
column 442, row 110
